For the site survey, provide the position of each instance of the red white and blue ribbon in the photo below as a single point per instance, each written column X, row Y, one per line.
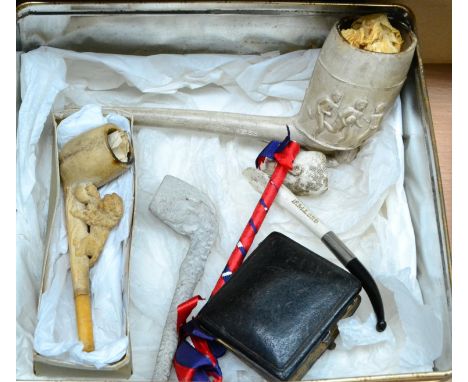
column 200, row 362
column 284, row 153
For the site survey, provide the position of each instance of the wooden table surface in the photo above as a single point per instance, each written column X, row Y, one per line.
column 439, row 85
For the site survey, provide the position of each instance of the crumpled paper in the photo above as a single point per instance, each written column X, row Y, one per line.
column 56, row 335
column 365, row 204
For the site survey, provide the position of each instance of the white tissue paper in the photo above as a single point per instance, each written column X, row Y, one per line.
column 365, row 204
column 55, row 335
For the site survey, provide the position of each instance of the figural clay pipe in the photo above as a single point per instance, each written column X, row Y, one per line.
column 293, row 205
column 348, row 95
column 87, row 162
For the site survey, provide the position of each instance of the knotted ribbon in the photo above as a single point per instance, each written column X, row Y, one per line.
column 200, row 361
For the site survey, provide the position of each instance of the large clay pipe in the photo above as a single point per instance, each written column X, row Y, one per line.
column 348, row 95
column 87, row 162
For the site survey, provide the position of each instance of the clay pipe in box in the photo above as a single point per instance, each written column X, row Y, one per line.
column 291, row 203
column 87, row 162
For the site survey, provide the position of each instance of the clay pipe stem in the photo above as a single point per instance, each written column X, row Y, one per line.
column 293, row 205
column 262, row 127
column 254, row 126
column 79, row 267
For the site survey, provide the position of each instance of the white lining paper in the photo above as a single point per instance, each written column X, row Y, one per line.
column 366, row 203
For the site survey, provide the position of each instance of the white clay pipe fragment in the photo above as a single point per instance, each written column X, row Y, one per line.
column 87, row 162
column 260, row 127
column 189, row 212
column 286, row 199
column 263, row 128
column 290, row 202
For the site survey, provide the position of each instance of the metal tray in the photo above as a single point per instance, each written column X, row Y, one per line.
column 254, row 28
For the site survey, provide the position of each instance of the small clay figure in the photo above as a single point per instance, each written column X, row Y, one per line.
column 100, row 215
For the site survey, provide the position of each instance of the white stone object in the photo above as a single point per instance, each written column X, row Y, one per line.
column 309, row 175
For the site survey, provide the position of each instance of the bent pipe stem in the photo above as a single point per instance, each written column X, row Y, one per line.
column 190, row 272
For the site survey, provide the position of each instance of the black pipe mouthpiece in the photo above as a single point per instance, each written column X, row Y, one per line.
column 369, row 285
column 347, row 258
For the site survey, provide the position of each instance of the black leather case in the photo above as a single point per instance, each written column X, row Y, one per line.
column 279, row 311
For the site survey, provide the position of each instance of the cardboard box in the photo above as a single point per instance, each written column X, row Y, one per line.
column 45, row 366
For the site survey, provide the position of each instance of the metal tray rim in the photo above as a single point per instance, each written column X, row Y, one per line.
column 22, row 10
